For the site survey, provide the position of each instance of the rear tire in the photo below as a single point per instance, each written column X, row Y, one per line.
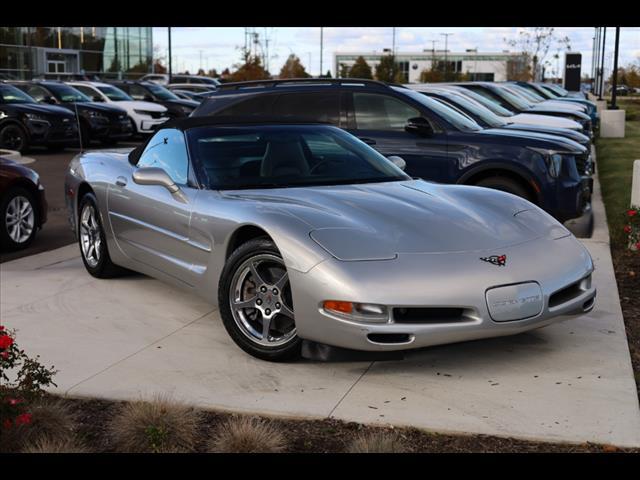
column 505, row 184
column 92, row 241
column 246, row 325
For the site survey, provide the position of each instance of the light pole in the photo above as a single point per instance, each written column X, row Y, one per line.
column 614, row 83
column 446, row 66
column 604, row 46
column 170, row 54
column 321, row 42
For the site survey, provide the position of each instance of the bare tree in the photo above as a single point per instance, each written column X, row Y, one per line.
column 535, row 44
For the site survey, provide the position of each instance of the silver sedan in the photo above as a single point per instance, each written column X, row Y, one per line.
column 302, row 231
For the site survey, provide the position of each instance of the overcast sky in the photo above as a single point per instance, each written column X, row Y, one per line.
column 219, row 47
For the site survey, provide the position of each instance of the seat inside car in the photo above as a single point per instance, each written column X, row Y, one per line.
column 284, row 158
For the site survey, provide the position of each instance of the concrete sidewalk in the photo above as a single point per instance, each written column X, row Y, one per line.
column 132, row 337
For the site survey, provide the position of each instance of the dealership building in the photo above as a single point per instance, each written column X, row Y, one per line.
column 481, row 66
column 59, row 52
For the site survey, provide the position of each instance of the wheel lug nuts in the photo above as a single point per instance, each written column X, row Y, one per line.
column 267, row 311
column 258, row 302
column 275, row 291
column 278, row 306
column 263, row 289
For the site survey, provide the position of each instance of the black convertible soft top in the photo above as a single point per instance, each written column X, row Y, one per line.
column 186, row 123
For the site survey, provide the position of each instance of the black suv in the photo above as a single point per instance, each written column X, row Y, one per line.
column 98, row 121
column 437, row 142
column 24, row 122
column 152, row 92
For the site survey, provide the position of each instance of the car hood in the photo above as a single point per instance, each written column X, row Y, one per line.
column 562, row 132
column 573, row 106
column 181, row 102
column 98, row 107
column 559, row 110
column 379, row 221
column 549, row 120
column 536, row 139
column 43, row 109
column 140, row 105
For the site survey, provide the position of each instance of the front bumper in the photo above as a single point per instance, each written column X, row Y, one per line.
column 443, row 281
column 53, row 133
column 117, row 129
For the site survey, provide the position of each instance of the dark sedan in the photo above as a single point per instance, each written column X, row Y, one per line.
column 24, row 122
column 98, row 121
column 23, row 206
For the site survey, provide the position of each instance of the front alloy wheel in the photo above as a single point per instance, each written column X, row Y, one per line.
column 18, row 220
column 256, row 303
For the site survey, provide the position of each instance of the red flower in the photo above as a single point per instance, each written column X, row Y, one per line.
column 23, row 419
column 632, row 212
column 627, row 229
column 4, row 355
column 638, row 245
column 13, row 401
column 7, row 424
column 1, row 328
column 5, row 341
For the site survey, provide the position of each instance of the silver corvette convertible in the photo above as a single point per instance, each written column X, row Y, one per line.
column 301, row 231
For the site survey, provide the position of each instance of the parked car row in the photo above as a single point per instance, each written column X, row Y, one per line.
column 43, row 112
column 468, row 133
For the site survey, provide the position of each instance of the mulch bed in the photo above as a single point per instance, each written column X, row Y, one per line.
column 627, row 269
column 327, row 436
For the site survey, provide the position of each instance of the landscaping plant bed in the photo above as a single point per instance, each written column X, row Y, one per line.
column 93, row 418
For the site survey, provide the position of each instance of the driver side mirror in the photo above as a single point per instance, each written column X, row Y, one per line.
column 157, row 176
column 398, row 161
column 97, row 98
column 420, row 126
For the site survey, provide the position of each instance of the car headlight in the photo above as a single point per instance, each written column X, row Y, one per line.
column 144, row 112
column 552, row 159
column 362, row 312
column 34, row 117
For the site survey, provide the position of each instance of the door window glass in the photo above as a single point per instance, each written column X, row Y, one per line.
column 381, row 112
column 167, row 150
column 317, row 107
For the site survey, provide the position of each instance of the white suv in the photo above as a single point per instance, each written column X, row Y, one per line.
column 144, row 116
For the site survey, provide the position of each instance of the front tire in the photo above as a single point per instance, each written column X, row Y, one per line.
column 14, row 137
column 18, row 219
column 255, row 302
column 92, row 241
column 505, row 184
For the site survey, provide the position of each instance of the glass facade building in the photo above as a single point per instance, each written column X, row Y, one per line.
column 61, row 52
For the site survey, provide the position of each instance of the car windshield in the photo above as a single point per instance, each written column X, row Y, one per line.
column 523, row 92
column 277, row 156
column 11, row 94
column 512, row 99
column 161, row 92
column 454, row 117
column 65, row 93
column 543, row 92
column 484, row 101
column 557, row 88
column 114, row 93
column 475, row 109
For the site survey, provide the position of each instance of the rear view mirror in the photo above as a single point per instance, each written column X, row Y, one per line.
column 398, row 161
column 419, row 126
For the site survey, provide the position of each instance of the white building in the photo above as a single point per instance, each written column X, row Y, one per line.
column 482, row 66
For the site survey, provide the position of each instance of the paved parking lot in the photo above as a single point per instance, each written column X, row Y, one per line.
column 133, row 337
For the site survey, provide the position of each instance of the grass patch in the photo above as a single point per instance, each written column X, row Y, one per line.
column 378, row 442
column 157, row 426
column 248, row 435
column 51, row 445
column 615, row 158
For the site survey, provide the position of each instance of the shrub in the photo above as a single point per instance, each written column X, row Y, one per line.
column 157, row 426
column 60, row 445
column 377, row 442
column 247, row 435
column 22, row 382
column 632, row 228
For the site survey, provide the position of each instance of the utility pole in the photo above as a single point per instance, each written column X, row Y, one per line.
column 433, row 54
column 393, row 43
column 596, row 76
column 604, row 46
column 170, row 55
column 321, row 45
column 614, row 83
column 446, row 66
column 201, row 60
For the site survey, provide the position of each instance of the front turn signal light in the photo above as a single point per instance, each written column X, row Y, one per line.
column 338, row 306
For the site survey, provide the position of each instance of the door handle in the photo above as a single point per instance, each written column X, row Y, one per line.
column 368, row 141
column 121, row 181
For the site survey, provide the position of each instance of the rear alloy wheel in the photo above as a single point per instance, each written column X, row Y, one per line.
column 256, row 304
column 505, row 184
column 91, row 238
column 18, row 220
column 13, row 137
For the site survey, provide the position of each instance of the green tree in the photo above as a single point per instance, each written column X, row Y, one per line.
column 387, row 69
column 360, row 69
column 293, row 68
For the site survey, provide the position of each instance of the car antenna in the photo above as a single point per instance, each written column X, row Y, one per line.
column 75, row 106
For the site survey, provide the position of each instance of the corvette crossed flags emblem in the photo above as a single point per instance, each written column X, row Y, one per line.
column 498, row 260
